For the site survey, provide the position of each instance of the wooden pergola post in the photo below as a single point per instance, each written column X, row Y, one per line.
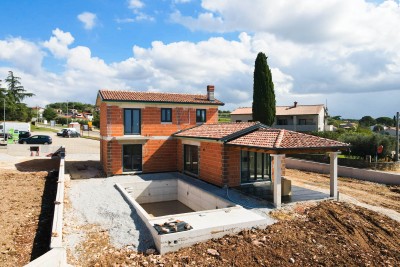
column 333, row 173
column 277, row 179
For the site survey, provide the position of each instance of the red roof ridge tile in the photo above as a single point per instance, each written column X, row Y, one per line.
column 279, row 138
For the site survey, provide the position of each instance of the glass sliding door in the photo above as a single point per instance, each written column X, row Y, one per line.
column 132, row 158
column 255, row 166
column 191, row 159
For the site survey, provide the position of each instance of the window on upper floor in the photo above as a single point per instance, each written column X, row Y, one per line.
column 282, row 122
column 166, row 115
column 306, row 122
column 132, row 121
column 200, row 115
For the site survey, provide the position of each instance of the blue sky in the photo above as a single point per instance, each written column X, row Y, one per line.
column 344, row 52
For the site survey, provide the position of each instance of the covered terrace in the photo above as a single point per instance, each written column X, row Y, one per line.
column 279, row 142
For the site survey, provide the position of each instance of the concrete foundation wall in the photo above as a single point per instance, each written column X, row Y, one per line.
column 198, row 199
column 360, row 174
column 173, row 189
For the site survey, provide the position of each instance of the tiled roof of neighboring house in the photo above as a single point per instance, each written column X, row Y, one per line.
column 132, row 96
column 285, row 110
column 217, row 131
column 283, row 139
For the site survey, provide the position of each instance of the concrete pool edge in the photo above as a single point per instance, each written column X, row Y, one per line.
column 207, row 224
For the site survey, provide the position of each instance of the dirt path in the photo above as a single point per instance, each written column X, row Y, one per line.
column 366, row 192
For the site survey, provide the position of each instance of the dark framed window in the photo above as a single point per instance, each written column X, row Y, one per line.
column 166, row 115
column 306, row 122
column 132, row 158
column 255, row 166
column 282, row 122
column 191, row 159
column 132, row 121
column 200, row 115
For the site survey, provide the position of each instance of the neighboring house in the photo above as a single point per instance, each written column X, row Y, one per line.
column 37, row 112
column 348, row 125
column 301, row 118
column 159, row 132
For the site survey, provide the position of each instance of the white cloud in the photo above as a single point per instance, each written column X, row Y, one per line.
column 182, row 1
column 21, row 54
column 135, row 4
column 88, row 19
column 59, row 42
column 343, row 51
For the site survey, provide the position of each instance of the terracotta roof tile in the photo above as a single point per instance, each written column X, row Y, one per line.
column 215, row 131
column 132, row 96
column 285, row 110
column 284, row 139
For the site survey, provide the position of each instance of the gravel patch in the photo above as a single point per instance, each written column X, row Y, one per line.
column 96, row 201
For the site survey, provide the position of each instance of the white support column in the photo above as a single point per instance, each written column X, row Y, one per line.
column 334, row 173
column 277, row 180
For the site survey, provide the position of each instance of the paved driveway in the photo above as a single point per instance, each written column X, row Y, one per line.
column 76, row 148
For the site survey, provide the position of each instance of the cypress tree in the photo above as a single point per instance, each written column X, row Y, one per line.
column 264, row 104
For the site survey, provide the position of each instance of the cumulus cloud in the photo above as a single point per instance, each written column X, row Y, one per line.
column 88, row 19
column 59, row 42
column 135, row 4
column 21, row 54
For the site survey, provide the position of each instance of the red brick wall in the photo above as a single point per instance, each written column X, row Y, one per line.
column 113, row 162
column 159, row 156
column 212, row 115
column 231, row 166
column 210, row 169
column 179, row 155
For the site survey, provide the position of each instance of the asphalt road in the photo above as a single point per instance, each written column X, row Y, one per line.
column 77, row 147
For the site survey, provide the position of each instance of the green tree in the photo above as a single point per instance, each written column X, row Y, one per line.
column 13, row 94
column 367, row 121
column 49, row 114
column 384, row 121
column 15, row 91
column 264, row 104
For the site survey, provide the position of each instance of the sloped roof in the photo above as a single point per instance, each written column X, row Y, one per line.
column 285, row 110
column 135, row 96
column 218, row 131
column 277, row 139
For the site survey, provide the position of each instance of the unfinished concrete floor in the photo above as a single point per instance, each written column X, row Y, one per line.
column 157, row 209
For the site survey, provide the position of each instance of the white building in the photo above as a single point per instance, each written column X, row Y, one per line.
column 301, row 118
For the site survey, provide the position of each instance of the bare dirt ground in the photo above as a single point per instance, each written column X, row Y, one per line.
column 366, row 192
column 325, row 233
column 26, row 195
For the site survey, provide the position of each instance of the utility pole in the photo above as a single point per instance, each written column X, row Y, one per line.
column 4, row 118
column 397, row 137
column 67, row 113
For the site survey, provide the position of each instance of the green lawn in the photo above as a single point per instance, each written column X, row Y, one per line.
column 35, row 128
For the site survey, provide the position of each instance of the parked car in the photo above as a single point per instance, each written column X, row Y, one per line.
column 70, row 133
column 60, row 133
column 36, row 139
column 24, row 134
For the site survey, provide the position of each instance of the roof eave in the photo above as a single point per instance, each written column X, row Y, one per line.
column 163, row 102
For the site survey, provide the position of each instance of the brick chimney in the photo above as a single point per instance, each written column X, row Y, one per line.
column 295, row 104
column 210, row 92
